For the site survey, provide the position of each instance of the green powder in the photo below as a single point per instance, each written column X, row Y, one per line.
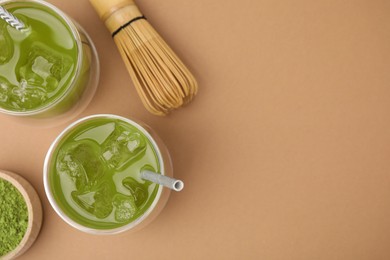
column 13, row 217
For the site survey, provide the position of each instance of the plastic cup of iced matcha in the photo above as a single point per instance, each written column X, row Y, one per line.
column 50, row 68
column 92, row 174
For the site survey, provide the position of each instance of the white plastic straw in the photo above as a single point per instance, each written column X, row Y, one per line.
column 11, row 19
column 173, row 184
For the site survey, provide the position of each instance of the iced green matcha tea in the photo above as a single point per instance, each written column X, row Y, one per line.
column 92, row 174
column 48, row 68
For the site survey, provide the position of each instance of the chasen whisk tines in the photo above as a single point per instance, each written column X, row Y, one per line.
column 162, row 81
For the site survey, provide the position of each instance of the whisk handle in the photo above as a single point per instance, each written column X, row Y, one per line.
column 105, row 8
column 116, row 13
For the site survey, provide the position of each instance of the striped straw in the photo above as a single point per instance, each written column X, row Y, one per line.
column 11, row 19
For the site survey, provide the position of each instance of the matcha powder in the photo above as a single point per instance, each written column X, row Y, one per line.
column 13, row 217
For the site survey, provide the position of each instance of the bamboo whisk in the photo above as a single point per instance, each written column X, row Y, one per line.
column 162, row 81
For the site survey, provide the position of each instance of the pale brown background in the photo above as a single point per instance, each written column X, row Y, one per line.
column 285, row 151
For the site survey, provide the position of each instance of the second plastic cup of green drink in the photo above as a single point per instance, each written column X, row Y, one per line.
column 49, row 69
column 92, row 174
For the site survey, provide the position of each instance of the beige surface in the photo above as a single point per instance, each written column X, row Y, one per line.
column 285, row 151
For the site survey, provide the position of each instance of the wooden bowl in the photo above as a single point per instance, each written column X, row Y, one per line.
column 34, row 209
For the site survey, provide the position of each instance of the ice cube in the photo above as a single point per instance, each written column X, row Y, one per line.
column 26, row 97
column 125, row 208
column 20, row 97
column 81, row 162
column 67, row 164
column 97, row 202
column 5, row 90
column 6, row 45
column 45, row 67
column 122, row 147
column 137, row 190
column 103, row 204
column 84, row 200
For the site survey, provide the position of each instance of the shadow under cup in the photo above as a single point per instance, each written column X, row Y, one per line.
column 43, row 57
column 93, row 147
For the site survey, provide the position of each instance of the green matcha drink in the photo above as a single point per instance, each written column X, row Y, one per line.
column 92, row 173
column 46, row 68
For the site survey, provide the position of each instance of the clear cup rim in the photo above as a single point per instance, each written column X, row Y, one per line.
column 77, row 38
column 57, row 208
